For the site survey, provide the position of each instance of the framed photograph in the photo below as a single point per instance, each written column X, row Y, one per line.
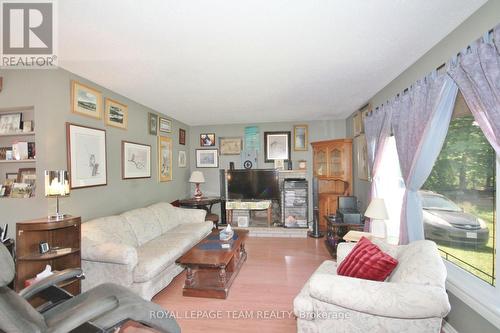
column 11, row 176
column 10, row 122
column 27, row 176
column 276, row 146
column 182, row 136
column 164, row 159
column 165, row 125
column 279, row 164
column 300, row 138
column 182, row 161
column 362, row 157
column 21, row 190
column 85, row 100
column 136, row 160
column 116, row 113
column 86, row 147
column 207, row 139
column 207, row 158
column 230, row 146
column 153, row 123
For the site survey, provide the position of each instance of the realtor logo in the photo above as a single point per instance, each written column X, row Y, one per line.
column 28, row 34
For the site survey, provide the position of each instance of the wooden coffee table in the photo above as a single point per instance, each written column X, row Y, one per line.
column 212, row 269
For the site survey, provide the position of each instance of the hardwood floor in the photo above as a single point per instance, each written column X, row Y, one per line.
column 261, row 297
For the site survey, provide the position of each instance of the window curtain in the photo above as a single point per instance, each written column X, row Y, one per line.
column 420, row 119
column 477, row 74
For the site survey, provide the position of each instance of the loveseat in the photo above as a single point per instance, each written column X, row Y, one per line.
column 138, row 248
column 412, row 299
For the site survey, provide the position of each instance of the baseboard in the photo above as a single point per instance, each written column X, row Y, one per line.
column 447, row 328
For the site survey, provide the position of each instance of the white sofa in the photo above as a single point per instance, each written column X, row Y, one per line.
column 412, row 299
column 138, row 248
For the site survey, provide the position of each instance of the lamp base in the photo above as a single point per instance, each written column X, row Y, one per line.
column 197, row 192
column 58, row 217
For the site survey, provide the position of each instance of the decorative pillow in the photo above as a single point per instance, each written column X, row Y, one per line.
column 367, row 261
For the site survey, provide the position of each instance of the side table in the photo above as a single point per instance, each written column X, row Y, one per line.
column 335, row 231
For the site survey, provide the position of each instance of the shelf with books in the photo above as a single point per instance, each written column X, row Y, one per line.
column 32, row 160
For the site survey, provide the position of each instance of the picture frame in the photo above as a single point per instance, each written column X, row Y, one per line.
column 165, row 148
column 153, row 123
column 136, row 160
column 182, row 136
column 362, row 157
column 116, row 113
column 165, row 125
column 11, row 176
column 207, row 139
column 85, row 100
column 277, row 146
column 207, row 158
column 21, row 190
column 86, row 149
column 27, row 176
column 10, row 122
column 300, row 138
column 279, row 165
column 230, row 146
column 182, row 159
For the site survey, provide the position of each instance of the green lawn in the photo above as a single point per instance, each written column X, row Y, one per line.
column 480, row 257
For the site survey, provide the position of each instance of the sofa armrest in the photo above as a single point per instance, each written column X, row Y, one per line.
column 187, row 215
column 343, row 249
column 113, row 253
column 389, row 299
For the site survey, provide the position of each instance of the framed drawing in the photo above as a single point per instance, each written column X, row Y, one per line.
column 136, row 160
column 207, row 139
column 164, row 159
column 182, row 161
column 10, row 122
column 276, row 146
column 165, row 125
column 85, row 100
column 182, row 136
column 86, row 147
column 362, row 157
column 153, row 123
column 230, row 146
column 116, row 113
column 300, row 139
column 207, row 158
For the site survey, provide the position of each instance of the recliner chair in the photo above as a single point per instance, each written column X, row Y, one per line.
column 101, row 309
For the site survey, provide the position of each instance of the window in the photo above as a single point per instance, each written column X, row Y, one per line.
column 458, row 198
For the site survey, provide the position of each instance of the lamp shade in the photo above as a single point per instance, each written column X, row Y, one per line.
column 197, row 177
column 56, row 183
column 377, row 210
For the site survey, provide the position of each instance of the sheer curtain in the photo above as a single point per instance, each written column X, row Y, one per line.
column 420, row 121
column 477, row 74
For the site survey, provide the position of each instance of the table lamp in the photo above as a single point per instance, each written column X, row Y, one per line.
column 197, row 178
column 56, row 185
column 378, row 213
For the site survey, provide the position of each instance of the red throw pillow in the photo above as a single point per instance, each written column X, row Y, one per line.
column 367, row 261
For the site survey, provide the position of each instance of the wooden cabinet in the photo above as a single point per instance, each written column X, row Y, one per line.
column 63, row 237
column 332, row 165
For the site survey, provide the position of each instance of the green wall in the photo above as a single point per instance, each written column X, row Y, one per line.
column 48, row 91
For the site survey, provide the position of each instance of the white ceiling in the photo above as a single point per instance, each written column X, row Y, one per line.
column 234, row 61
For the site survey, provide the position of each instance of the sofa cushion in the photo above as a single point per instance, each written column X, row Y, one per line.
column 367, row 261
column 110, row 229
column 420, row 263
column 143, row 223
column 158, row 254
column 198, row 230
column 166, row 215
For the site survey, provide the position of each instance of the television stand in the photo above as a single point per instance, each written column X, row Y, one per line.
column 249, row 205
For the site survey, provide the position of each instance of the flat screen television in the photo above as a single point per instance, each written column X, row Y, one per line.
column 253, row 184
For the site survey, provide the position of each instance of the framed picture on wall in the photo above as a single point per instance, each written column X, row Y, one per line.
column 207, row 158
column 230, row 146
column 165, row 125
column 164, row 159
column 300, row 139
column 136, row 160
column 207, row 139
column 182, row 160
column 86, row 100
column 182, row 136
column 277, row 146
column 116, row 113
column 86, row 147
column 153, row 123
column 362, row 157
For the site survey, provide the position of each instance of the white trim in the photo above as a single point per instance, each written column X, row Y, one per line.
column 447, row 328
